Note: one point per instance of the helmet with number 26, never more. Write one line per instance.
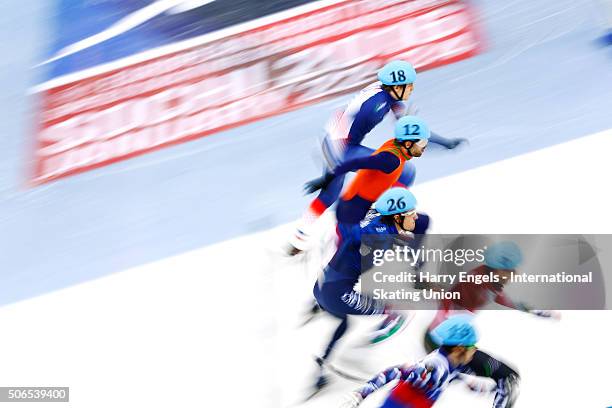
(396, 200)
(397, 73)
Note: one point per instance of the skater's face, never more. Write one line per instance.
(406, 89)
(408, 222)
(468, 354)
(415, 149)
(462, 355)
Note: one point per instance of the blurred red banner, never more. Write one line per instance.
(194, 90)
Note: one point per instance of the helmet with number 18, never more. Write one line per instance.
(397, 73)
(398, 78)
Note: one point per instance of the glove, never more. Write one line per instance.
(352, 400)
(478, 385)
(455, 142)
(550, 314)
(420, 377)
(318, 183)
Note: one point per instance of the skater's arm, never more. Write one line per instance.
(370, 114)
(475, 384)
(443, 141)
(381, 379)
(505, 300)
(383, 161)
(401, 109)
(502, 299)
(418, 375)
(422, 375)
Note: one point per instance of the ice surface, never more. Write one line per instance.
(218, 326)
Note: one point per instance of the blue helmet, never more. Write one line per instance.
(503, 255)
(396, 200)
(397, 73)
(411, 128)
(455, 331)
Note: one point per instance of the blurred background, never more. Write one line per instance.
(138, 130)
(106, 104)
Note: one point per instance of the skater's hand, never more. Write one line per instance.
(352, 400)
(549, 314)
(318, 183)
(455, 142)
(478, 385)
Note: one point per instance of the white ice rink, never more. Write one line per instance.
(216, 327)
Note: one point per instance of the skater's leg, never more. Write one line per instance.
(326, 298)
(340, 300)
(326, 197)
(329, 195)
(316, 208)
(338, 334)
